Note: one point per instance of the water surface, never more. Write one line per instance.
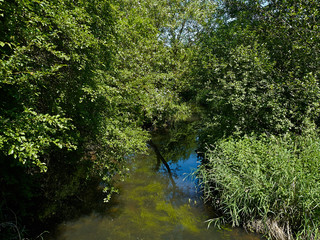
(152, 203)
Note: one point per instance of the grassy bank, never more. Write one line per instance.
(267, 184)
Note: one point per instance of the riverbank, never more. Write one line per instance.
(267, 184)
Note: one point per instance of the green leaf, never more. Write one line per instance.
(10, 152)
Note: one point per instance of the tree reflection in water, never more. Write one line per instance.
(155, 202)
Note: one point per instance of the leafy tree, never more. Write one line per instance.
(58, 94)
(257, 67)
(80, 81)
(155, 41)
(257, 70)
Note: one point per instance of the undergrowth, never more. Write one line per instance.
(268, 184)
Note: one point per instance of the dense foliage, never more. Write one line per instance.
(270, 184)
(80, 83)
(257, 71)
(258, 67)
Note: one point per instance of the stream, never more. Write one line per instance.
(153, 203)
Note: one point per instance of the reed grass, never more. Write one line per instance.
(267, 184)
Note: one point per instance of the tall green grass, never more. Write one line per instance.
(269, 183)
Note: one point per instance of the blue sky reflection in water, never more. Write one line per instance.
(151, 205)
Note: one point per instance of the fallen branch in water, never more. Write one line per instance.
(159, 156)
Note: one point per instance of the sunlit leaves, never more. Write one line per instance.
(266, 178)
(256, 70)
(27, 142)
